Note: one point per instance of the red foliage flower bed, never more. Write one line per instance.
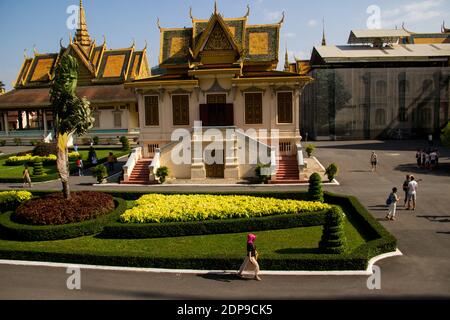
(55, 210)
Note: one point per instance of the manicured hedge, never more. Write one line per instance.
(15, 231)
(118, 230)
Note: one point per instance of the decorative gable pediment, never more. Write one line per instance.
(218, 40)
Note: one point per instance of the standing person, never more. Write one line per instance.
(433, 157)
(430, 140)
(251, 258)
(79, 164)
(424, 158)
(412, 193)
(26, 177)
(392, 202)
(93, 156)
(374, 161)
(419, 158)
(111, 161)
(405, 188)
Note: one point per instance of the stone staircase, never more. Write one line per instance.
(287, 170)
(141, 172)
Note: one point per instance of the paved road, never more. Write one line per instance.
(424, 238)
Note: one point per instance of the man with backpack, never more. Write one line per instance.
(392, 203)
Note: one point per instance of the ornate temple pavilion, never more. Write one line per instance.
(26, 111)
(222, 72)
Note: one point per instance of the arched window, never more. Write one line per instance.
(380, 117)
(381, 88)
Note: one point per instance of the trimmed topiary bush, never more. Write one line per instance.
(162, 174)
(125, 143)
(55, 210)
(38, 168)
(43, 149)
(100, 172)
(259, 172)
(333, 238)
(2, 143)
(96, 140)
(18, 141)
(315, 191)
(331, 171)
(310, 149)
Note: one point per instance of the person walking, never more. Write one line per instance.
(392, 202)
(26, 177)
(374, 161)
(412, 193)
(418, 159)
(92, 156)
(111, 161)
(405, 188)
(79, 164)
(251, 258)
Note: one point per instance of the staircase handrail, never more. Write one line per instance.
(136, 155)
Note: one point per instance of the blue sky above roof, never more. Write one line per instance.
(42, 23)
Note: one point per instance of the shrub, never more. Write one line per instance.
(53, 209)
(33, 142)
(158, 208)
(162, 174)
(310, 149)
(73, 156)
(29, 159)
(259, 172)
(96, 140)
(333, 238)
(15, 231)
(2, 143)
(18, 141)
(117, 230)
(315, 191)
(125, 143)
(100, 172)
(331, 171)
(9, 200)
(38, 168)
(43, 149)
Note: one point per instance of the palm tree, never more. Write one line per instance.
(2, 86)
(72, 115)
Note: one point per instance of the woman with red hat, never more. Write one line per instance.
(251, 258)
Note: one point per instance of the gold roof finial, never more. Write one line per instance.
(34, 49)
(133, 45)
(25, 53)
(82, 35)
(158, 24)
(60, 43)
(215, 7)
(248, 12)
(146, 45)
(286, 59)
(324, 40)
(190, 14)
(70, 38)
(282, 19)
(104, 40)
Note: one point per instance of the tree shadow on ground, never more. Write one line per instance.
(389, 145)
(297, 250)
(445, 219)
(443, 170)
(443, 232)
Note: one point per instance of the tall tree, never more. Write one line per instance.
(72, 115)
(2, 86)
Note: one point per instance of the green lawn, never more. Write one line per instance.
(9, 172)
(271, 244)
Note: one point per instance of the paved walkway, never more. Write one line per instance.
(424, 239)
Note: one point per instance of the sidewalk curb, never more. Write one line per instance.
(366, 272)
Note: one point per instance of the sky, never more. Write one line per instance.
(28, 24)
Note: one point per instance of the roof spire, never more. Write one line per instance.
(82, 36)
(215, 7)
(286, 59)
(324, 40)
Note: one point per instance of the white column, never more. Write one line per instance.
(5, 121)
(44, 119)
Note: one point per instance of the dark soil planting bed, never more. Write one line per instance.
(53, 209)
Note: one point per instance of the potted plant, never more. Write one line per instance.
(101, 173)
(162, 174)
(310, 149)
(125, 143)
(261, 172)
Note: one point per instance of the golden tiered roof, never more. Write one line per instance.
(97, 64)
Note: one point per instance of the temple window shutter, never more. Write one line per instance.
(151, 111)
(285, 107)
(180, 107)
(253, 108)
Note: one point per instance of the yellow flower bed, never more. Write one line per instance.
(14, 196)
(157, 208)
